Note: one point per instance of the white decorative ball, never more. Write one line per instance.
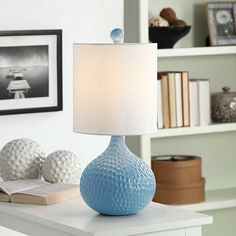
(158, 22)
(62, 167)
(21, 159)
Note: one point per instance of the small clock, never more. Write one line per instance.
(223, 17)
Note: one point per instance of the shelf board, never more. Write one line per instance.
(215, 200)
(197, 51)
(213, 128)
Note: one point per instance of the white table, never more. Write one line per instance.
(75, 218)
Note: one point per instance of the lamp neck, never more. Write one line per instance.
(116, 139)
(117, 143)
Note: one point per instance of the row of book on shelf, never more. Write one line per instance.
(181, 101)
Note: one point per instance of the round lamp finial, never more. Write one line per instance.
(117, 35)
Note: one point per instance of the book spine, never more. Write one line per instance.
(194, 102)
(165, 99)
(159, 106)
(185, 99)
(172, 100)
(204, 102)
(178, 93)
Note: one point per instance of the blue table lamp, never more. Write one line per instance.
(115, 93)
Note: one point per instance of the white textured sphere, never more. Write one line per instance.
(21, 159)
(62, 167)
(158, 22)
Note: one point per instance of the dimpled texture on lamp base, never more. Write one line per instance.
(117, 182)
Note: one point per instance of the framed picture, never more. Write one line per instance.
(221, 23)
(30, 71)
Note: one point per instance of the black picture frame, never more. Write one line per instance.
(222, 23)
(30, 68)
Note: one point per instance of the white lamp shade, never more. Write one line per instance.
(115, 88)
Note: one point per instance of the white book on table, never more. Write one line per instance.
(178, 98)
(204, 101)
(194, 102)
(159, 106)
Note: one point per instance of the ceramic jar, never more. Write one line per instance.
(223, 106)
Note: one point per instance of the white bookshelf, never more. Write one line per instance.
(215, 200)
(215, 143)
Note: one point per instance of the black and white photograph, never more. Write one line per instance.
(30, 71)
(225, 23)
(221, 22)
(24, 72)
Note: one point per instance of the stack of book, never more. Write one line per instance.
(182, 102)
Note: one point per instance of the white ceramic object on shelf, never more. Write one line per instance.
(21, 159)
(62, 167)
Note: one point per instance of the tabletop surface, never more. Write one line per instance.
(76, 218)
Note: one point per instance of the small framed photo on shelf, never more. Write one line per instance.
(221, 23)
(30, 71)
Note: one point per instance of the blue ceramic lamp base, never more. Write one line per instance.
(117, 182)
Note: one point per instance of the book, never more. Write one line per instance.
(159, 106)
(185, 99)
(172, 99)
(165, 98)
(204, 101)
(194, 102)
(37, 192)
(178, 98)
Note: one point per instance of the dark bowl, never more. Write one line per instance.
(167, 37)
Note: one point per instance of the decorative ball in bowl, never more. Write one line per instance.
(167, 37)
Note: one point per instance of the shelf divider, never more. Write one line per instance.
(197, 51)
(215, 200)
(213, 128)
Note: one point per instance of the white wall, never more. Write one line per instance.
(81, 21)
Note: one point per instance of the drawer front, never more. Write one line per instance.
(179, 232)
(8, 232)
(193, 231)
